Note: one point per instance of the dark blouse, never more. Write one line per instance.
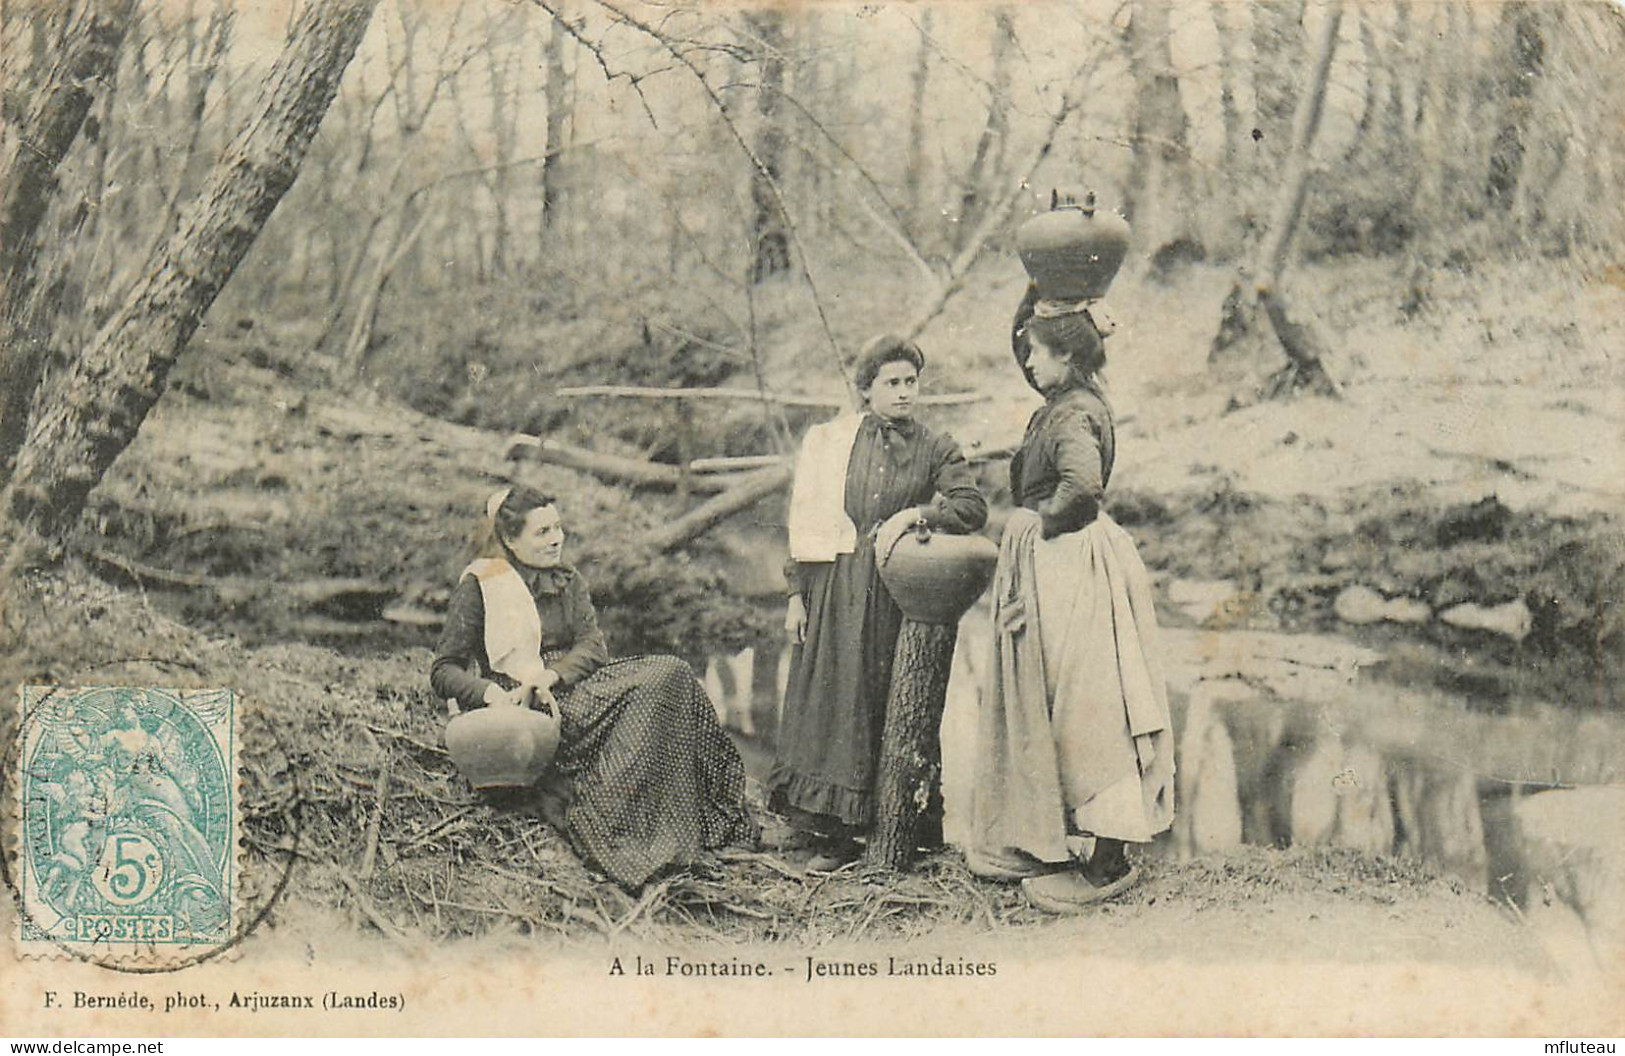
(1065, 460)
(571, 640)
(899, 464)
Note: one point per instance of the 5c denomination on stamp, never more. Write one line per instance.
(128, 822)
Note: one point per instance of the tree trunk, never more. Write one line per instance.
(408, 227)
(907, 787)
(1306, 350)
(807, 86)
(1277, 56)
(770, 237)
(1526, 51)
(634, 471)
(1225, 34)
(1162, 187)
(914, 159)
(1438, 194)
(1396, 126)
(1294, 184)
(989, 154)
(82, 422)
(41, 121)
(559, 111)
(501, 118)
(1262, 281)
(1372, 97)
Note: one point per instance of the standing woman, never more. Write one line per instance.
(852, 474)
(1075, 738)
(648, 777)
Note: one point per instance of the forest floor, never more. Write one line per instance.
(1473, 460)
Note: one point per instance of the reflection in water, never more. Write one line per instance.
(1273, 773)
(1283, 740)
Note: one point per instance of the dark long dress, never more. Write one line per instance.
(834, 704)
(649, 777)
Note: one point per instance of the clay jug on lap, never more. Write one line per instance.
(502, 746)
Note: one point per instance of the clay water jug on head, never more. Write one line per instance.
(1073, 251)
(502, 746)
(933, 576)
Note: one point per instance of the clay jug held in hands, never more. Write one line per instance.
(502, 746)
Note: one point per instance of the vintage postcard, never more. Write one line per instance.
(613, 517)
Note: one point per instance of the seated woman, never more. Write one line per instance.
(651, 778)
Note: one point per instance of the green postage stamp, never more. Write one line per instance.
(127, 822)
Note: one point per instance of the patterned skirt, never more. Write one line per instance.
(652, 778)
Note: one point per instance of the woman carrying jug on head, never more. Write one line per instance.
(854, 473)
(1074, 739)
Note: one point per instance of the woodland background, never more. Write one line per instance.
(283, 281)
(507, 196)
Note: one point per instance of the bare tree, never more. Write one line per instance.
(914, 158)
(1225, 33)
(401, 214)
(560, 111)
(1525, 51)
(1278, 53)
(82, 421)
(770, 254)
(1161, 188)
(502, 116)
(45, 108)
(1259, 285)
(988, 158)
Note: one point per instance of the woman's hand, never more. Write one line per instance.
(538, 694)
(1021, 517)
(795, 620)
(497, 697)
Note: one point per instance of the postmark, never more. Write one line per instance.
(127, 823)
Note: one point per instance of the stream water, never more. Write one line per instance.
(1290, 739)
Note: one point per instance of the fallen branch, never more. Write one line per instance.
(436, 829)
(645, 392)
(495, 911)
(352, 596)
(369, 859)
(138, 574)
(364, 903)
(735, 464)
(635, 471)
(654, 894)
(754, 488)
(737, 856)
(402, 735)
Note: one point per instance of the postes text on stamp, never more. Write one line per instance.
(128, 822)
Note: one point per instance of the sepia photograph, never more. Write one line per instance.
(812, 518)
